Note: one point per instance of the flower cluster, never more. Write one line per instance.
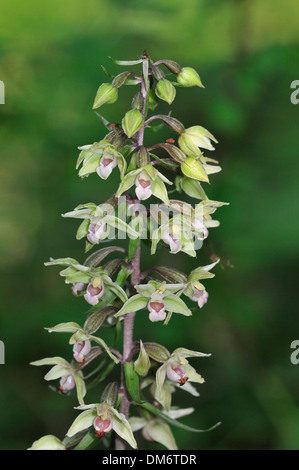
(111, 280)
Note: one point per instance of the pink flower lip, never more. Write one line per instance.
(157, 306)
(102, 426)
(80, 350)
(67, 383)
(177, 374)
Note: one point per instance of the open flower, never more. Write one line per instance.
(177, 233)
(194, 289)
(143, 186)
(94, 280)
(70, 378)
(81, 337)
(156, 430)
(147, 180)
(100, 157)
(95, 290)
(103, 417)
(158, 298)
(178, 370)
(108, 162)
(98, 221)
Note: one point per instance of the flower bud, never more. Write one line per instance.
(80, 350)
(177, 374)
(137, 101)
(157, 311)
(94, 291)
(132, 122)
(106, 94)
(193, 168)
(102, 426)
(199, 295)
(188, 77)
(194, 138)
(165, 90)
(108, 162)
(143, 186)
(67, 383)
(96, 231)
(78, 287)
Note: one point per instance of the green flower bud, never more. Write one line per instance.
(194, 169)
(106, 94)
(143, 363)
(132, 122)
(165, 90)
(137, 101)
(189, 77)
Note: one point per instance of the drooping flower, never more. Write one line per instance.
(100, 157)
(200, 296)
(104, 417)
(81, 337)
(178, 370)
(194, 289)
(99, 221)
(158, 298)
(95, 290)
(147, 180)
(70, 378)
(156, 430)
(95, 280)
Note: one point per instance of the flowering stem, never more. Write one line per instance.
(129, 318)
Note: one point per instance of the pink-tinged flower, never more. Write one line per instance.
(143, 186)
(94, 291)
(157, 311)
(172, 240)
(80, 350)
(199, 295)
(200, 229)
(102, 426)
(67, 383)
(78, 287)
(177, 374)
(107, 164)
(96, 231)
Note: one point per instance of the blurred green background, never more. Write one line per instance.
(246, 52)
